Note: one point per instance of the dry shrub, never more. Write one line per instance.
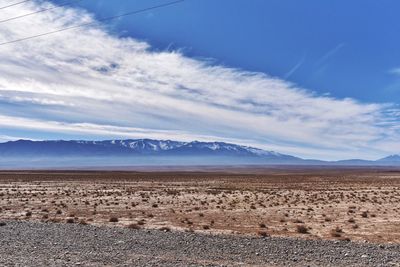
(114, 219)
(133, 226)
(262, 225)
(262, 233)
(337, 232)
(302, 229)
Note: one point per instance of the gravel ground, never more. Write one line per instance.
(45, 244)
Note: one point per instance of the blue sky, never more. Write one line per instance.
(344, 48)
(314, 79)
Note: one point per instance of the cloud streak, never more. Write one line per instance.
(294, 69)
(395, 71)
(329, 54)
(91, 82)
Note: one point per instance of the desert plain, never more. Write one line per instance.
(348, 204)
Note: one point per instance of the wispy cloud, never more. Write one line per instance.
(90, 82)
(329, 54)
(395, 71)
(294, 69)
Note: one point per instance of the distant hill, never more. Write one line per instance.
(391, 158)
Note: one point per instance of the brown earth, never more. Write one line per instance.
(319, 203)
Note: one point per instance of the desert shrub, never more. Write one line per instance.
(337, 232)
(114, 219)
(262, 233)
(133, 226)
(302, 229)
(262, 225)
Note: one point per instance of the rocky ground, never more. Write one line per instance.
(60, 244)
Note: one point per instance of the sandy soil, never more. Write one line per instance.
(351, 204)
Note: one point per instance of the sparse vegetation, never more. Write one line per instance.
(245, 204)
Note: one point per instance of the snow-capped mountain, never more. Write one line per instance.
(137, 147)
(42, 154)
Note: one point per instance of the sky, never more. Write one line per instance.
(314, 79)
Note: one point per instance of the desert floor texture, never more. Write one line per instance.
(319, 203)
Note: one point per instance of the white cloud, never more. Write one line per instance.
(89, 81)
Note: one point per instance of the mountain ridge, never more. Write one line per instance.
(152, 151)
(131, 147)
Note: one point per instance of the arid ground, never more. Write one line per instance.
(320, 203)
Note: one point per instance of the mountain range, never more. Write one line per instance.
(153, 152)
